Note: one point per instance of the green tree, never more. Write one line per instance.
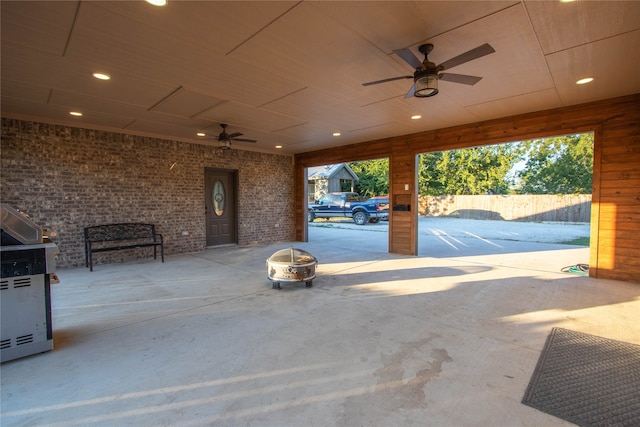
(431, 181)
(560, 165)
(373, 177)
(477, 170)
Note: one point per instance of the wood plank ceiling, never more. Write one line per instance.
(290, 73)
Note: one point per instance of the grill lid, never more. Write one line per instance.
(18, 228)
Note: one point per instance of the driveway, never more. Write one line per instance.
(456, 228)
(505, 243)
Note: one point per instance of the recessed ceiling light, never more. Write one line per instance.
(416, 117)
(75, 113)
(201, 134)
(584, 81)
(278, 146)
(336, 134)
(102, 76)
(157, 2)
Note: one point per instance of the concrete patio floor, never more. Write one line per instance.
(442, 339)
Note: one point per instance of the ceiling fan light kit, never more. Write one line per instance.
(426, 85)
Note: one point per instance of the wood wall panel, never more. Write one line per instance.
(621, 146)
(300, 197)
(617, 244)
(616, 194)
(621, 195)
(616, 175)
(613, 184)
(631, 214)
(403, 225)
(354, 152)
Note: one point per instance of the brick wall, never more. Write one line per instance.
(68, 178)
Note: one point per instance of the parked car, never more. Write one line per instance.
(348, 205)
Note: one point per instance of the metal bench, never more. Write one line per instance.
(115, 237)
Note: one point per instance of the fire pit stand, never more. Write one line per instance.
(291, 265)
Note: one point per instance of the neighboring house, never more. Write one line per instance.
(329, 179)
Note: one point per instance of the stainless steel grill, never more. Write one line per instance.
(27, 271)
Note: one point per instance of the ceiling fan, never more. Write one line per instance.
(224, 139)
(427, 74)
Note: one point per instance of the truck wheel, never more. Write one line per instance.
(311, 216)
(360, 218)
(374, 220)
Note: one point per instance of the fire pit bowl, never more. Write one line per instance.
(291, 265)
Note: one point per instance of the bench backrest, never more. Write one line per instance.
(125, 231)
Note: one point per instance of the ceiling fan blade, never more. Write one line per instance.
(411, 92)
(460, 78)
(408, 57)
(476, 53)
(233, 135)
(386, 80)
(244, 140)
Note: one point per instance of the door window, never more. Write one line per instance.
(218, 198)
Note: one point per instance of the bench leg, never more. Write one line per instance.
(88, 259)
(161, 252)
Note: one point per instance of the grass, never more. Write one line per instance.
(580, 241)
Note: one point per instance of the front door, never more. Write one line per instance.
(220, 206)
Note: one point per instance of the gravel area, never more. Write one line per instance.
(545, 232)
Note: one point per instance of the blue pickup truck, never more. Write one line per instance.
(348, 205)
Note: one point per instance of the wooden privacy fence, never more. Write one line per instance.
(566, 208)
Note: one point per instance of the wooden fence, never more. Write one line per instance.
(566, 208)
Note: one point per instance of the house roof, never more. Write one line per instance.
(329, 171)
(290, 74)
